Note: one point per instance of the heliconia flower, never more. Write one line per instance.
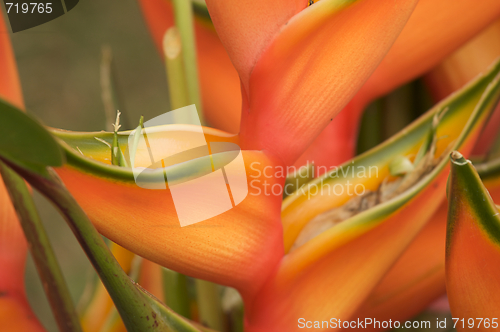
(291, 91)
(417, 279)
(472, 250)
(356, 252)
(426, 39)
(15, 312)
(278, 288)
(275, 44)
(244, 251)
(436, 35)
(314, 21)
(236, 248)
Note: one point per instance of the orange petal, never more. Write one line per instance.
(432, 33)
(333, 273)
(16, 316)
(337, 142)
(472, 249)
(418, 277)
(10, 86)
(15, 312)
(295, 91)
(219, 81)
(247, 27)
(479, 96)
(466, 63)
(237, 248)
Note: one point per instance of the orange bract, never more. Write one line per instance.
(295, 91)
(15, 312)
(472, 248)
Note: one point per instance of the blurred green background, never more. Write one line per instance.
(59, 67)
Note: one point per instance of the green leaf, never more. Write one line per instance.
(25, 142)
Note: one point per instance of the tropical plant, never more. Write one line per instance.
(322, 235)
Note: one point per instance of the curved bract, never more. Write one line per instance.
(418, 277)
(432, 33)
(466, 112)
(15, 312)
(237, 248)
(472, 249)
(426, 39)
(10, 86)
(339, 267)
(294, 91)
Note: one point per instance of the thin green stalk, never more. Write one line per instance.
(210, 305)
(117, 157)
(183, 12)
(109, 92)
(176, 74)
(45, 260)
(139, 310)
(176, 292)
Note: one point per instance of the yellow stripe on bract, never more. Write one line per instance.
(304, 205)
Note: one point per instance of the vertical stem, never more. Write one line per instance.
(176, 292)
(45, 260)
(184, 21)
(210, 305)
(176, 75)
(139, 310)
(108, 99)
(116, 281)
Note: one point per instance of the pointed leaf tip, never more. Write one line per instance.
(472, 246)
(457, 158)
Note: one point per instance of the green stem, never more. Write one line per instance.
(45, 260)
(139, 310)
(210, 305)
(176, 292)
(109, 90)
(184, 21)
(176, 75)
